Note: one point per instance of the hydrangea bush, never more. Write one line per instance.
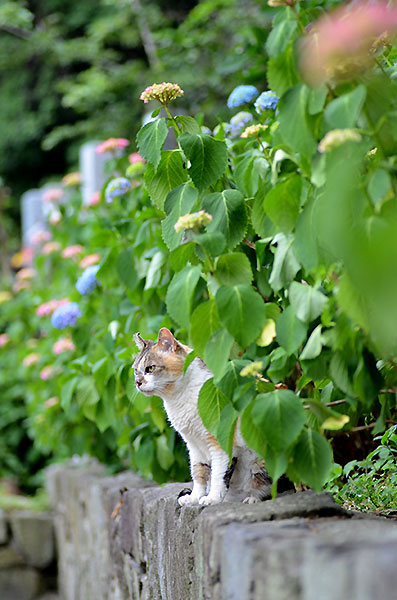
(270, 250)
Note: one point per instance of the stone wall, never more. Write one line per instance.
(27, 556)
(124, 538)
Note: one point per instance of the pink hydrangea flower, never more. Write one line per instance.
(21, 285)
(53, 401)
(4, 339)
(50, 247)
(72, 251)
(23, 257)
(135, 157)
(55, 217)
(339, 44)
(95, 199)
(47, 372)
(31, 359)
(47, 308)
(52, 195)
(89, 260)
(64, 344)
(26, 273)
(111, 145)
(40, 237)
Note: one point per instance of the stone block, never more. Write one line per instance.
(20, 584)
(33, 536)
(9, 557)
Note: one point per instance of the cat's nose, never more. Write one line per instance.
(138, 381)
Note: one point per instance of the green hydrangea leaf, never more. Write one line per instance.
(180, 294)
(229, 215)
(178, 202)
(150, 140)
(233, 269)
(241, 311)
(208, 158)
(312, 459)
(169, 175)
(291, 332)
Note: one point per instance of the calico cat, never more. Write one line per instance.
(159, 372)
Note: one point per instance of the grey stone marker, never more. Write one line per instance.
(32, 215)
(92, 169)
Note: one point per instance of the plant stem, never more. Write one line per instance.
(178, 131)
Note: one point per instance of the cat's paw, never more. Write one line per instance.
(251, 500)
(188, 500)
(211, 499)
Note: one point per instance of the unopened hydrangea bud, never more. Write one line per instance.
(242, 94)
(162, 92)
(266, 101)
(253, 130)
(117, 187)
(193, 220)
(254, 369)
(337, 137)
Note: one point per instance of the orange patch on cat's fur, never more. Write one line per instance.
(201, 472)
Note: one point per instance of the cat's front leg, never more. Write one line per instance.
(200, 474)
(219, 467)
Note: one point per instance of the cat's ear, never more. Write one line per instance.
(166, 341)
(140, 342)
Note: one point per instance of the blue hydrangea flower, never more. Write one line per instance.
(117, 187)
(65, 315)
(87, 282)
(238, 123)
(242, 94)
(266, 101)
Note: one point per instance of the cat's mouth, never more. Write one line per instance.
(143, 387)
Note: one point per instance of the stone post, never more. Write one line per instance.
(32, 215)
(92, 169)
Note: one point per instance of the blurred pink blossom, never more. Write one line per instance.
(4, 339)
(338, 45)
(26, 273)
(47, 308)
(89, 260)
(111, 145)
(95, 199)
(23, 257)
(21, 285)
(53, 401)
(135, 157)
(47, 372)
(55, 217)
(31, 359)
(50, 247)
(52, 195)
(40, 237)
(63, 345)
(72, 251)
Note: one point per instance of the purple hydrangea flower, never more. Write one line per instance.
(87, 282)
(238, 123)
(267, 100)
(242, 94)
(65, 315)
(117, 187)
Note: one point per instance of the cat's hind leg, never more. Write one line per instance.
(219, 468)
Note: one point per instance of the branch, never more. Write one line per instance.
(146, 35)
(17, 31)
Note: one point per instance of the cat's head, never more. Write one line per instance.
(159, 364)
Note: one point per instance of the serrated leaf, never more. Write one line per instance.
(295, 123)
(217, 351)
(285, 264)
(180, 294)
(188, 124)
(150, 140)
(86, 392)
(226, 428)
(232, 379)
(203, 323)
(282, 203)
(170, 173)
(178, 202)
(125, 267)
(241, 311)
(252, 434)
(281, 417)
(312, 459)
(214, 243)
(344, 111)
(153, 274)
(229, 215)
(340, 375)
(291, 332)
(67, 393)
(305, 243)
(280, 37)
(183, 254)
(210, 404)
(282, 73)
(313, 345)
(307, 302)
(208, 158)
(233, 269)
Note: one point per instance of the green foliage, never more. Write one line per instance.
(281, 276)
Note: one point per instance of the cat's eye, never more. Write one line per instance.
(150, 369)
